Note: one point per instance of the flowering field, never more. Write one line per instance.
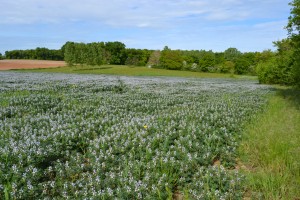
(108, 137)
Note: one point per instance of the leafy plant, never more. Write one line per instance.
(104, 137)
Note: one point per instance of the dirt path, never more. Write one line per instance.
(29, 64)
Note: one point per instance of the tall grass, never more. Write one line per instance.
(271, 149)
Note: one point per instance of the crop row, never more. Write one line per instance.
(93, 137)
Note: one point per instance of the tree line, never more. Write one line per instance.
(35, 54)
(229, 61)
(98, 53)
(284, 66)
(116, 53)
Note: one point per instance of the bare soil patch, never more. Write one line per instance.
(29, 64)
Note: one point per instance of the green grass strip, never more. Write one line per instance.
(125, 70)
(271, 150)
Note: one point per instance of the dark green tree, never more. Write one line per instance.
(285, 61)
(279, 69)
(38, 53)
(264, 56)
(95, 53)
(250, 57)
(207, 61)
(219, 58)
(241, 66)
(69, 53)
(116, 51)
(293, 28)
(137, 57)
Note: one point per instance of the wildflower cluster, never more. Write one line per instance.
(87, 136)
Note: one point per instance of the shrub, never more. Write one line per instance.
(241, 66)
(227, 67)
(279, 70)
(207, 62)
(267, 72)
(171, 59)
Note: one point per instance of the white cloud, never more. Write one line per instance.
(135, 13)
(185, 24)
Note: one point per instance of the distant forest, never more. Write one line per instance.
(99, 53)
(35, 54)
(230, 61)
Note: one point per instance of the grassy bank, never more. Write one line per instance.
(133, 71)
(271, 149)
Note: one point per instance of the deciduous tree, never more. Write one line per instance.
(293, 29)
(171, 59)
(207, 61)
(231, 54)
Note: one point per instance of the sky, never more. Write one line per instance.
(248, 25)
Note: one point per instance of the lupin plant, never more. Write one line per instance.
(107, 137)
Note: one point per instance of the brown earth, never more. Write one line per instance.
(29, 64)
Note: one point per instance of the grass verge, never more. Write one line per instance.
(133, 71)
(271, 149)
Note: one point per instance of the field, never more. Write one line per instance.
(91, 136)
(29, 64)
(125, 70)
(122, 70)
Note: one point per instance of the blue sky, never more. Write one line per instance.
(249, 25)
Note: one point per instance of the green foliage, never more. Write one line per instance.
(241, 66)
(285, 67)
(35, 54)
(293, 25)
(69, 53)
(271, 148)
(279, 69)
(264, 56)
(80, 53)
(293, 28)
(285, 61)
(105, 137)
(117, 52)
(171, 59)
(207, 61)
(124, 70)
(154, 58)
(266, 72)
(296, 68)
(1, 57)
(219, 58)
(95, 53)
(231, 54)
(137, 57)
(250, 57)
(227, 67)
